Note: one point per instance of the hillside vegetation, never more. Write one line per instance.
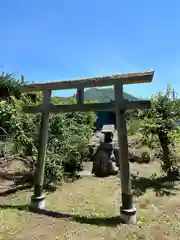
(99, 95)
(69, 133)
(104, 95)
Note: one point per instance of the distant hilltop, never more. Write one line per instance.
(104, 95)
(100, 95)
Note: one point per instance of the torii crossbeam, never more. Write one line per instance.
(127, 210)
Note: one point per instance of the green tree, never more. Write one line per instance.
(160, 120)
(9, 86)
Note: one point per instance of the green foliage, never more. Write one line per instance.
(104, 95)
(175, 134)
(69, 136)
(9, 86)
(54, 171)
(133, 126)
(159, 120)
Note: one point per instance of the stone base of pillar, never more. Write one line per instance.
(37, 203)
(128, 216)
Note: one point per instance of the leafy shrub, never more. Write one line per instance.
(174, 135)
(67, 145)
(148, 139)
(133, 126)
(159, 120)
(69, 136)
(53, 174)
(170, 167)
(9, 86)
(69, 133)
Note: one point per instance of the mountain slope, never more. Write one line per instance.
(104, 95)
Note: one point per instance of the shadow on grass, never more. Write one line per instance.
(99, 221)
(14, 190)
(23, 180)
(162, 186)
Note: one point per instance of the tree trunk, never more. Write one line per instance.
(163, 138)
(164, 141)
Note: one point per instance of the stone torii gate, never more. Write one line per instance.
(127, 210)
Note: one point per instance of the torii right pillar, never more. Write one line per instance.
(127, 210)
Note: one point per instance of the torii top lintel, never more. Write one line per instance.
(128, 78)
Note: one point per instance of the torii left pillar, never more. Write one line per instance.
(38, 199)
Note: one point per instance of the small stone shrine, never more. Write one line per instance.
(104, 160)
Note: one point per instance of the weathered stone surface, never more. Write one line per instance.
(103, 164)
(142, 155)
(105, 156)
(113, 169)
(106, 146)
(108, 128)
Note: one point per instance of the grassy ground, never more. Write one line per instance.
(89, 209)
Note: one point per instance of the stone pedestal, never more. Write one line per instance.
(128, 216)
(37, 203)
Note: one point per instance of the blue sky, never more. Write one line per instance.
(67, 39)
